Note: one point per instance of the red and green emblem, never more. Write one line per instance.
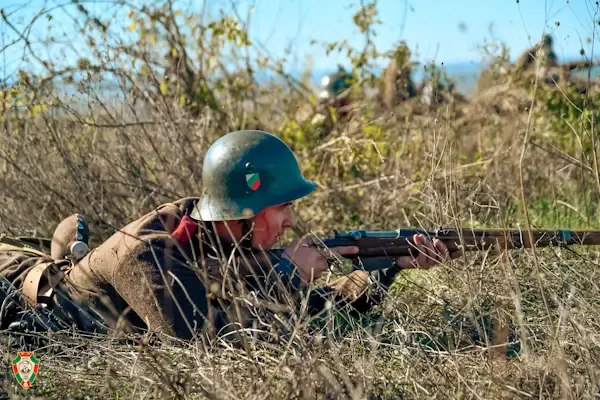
(25, 368)
(253, 180)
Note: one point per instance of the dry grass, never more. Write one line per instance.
(521, 324)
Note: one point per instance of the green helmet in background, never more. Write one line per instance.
(245, 172)
(334, 84)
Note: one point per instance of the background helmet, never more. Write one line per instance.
(245, 172)
(334, 84)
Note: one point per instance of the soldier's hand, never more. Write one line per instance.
(430, 253)
(310, 261)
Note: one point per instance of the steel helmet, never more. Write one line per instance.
(245, 172)
(334, 84)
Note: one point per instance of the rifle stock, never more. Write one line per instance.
(379, 249)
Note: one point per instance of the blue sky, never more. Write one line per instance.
(432, 28)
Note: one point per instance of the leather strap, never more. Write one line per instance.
(41, 281)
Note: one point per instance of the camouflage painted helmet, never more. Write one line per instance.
(245, 172)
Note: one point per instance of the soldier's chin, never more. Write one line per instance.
(273, 242)
(264, 244)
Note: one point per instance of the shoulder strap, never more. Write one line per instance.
(41, 281)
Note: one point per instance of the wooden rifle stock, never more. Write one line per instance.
(379, 249)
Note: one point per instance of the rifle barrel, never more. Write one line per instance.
(400, 242)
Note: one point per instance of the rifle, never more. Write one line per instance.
(379, 249)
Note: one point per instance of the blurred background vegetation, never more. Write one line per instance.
(117, 121)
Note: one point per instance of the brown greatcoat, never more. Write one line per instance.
(146, 278)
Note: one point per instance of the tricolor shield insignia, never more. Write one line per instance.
(25, 368)
(253, 180)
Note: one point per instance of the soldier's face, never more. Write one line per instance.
(271, 223)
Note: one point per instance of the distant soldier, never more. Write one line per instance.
(201, 264)
(335, 86)
(542, 54)
(436, 86)
(396, 82)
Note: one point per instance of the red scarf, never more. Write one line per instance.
(186, 230)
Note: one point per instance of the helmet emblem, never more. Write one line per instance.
(253, 180)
